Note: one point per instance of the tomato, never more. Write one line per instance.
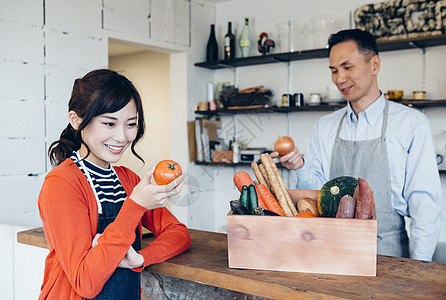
(284, 145)
(166, 171)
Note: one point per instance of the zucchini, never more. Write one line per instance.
(253, 201)
(244, 196)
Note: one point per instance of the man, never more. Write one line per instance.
(387, 144)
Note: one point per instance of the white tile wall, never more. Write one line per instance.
(21, 80)
(74, 51)
(22, 12)
(130, 24)
(56, 119)
(24, 42)
(30, 152)
(20, 199)
(17, 117)
(59, 82)
(134, 7)
(63, 15)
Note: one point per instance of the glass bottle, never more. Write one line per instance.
(229, 43)
(245, 40)
(212, 46)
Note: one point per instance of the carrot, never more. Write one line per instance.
(269, 200)
(259, 198)
(241, 178)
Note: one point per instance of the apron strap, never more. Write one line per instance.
(340, 125)
(384, 125)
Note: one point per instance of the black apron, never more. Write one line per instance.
(368, 159)
(123, 284)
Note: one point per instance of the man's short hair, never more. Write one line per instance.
(366, 41)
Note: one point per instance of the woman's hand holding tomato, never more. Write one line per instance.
(166, 171)
(153, 196)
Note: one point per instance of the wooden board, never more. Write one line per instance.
(313, 245)
(206, 262)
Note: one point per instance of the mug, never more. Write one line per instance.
(314, 99)
(298, 99)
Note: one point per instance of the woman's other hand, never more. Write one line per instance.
(132, 259)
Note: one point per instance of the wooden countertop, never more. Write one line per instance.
(207, 262)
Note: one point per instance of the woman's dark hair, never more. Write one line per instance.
(98, 92)
(366, 41)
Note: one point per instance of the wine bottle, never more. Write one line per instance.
(229, 43)
(212, 46)
(245, 40)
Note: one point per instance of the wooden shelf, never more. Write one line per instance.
(320, 53)
(322, 107)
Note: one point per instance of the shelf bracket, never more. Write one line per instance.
(416, 45)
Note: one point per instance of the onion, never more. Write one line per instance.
(284, 145)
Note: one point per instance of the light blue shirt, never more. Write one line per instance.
(414, 177)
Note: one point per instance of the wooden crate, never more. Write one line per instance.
(296, 244)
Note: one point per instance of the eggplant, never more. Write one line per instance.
(264, 212)
(238, 208)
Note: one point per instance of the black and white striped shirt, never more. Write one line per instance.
(105, 181)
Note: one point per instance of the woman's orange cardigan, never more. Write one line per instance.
(69, 212)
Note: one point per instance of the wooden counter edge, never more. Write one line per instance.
(33, 237)
(235, 283)
(36, 237)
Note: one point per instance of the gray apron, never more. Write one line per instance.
(368, 159)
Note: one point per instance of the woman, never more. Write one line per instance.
(92, 213)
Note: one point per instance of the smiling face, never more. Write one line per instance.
(355, 74)
(109, 134)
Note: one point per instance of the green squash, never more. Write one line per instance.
(331, 193)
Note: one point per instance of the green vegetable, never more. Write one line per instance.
(331, 193)
(253, 201)
(244, 196)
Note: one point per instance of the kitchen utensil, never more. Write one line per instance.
(298, 99)
(286, 100)
(395, 94)
(288, 35)
(419, 95)
(323, 26)
(314, 99)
